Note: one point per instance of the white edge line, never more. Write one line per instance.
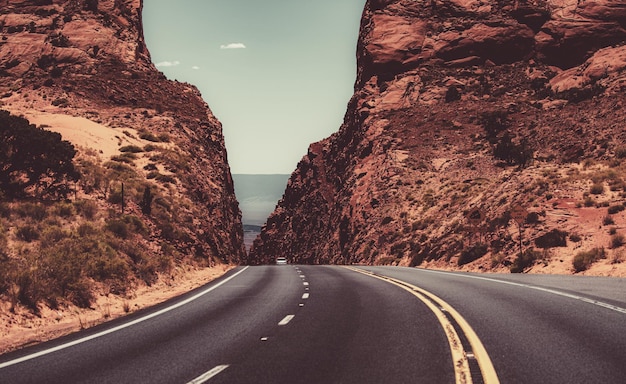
(547, 290)
(208, 375)
(121, 326)
(286, 320)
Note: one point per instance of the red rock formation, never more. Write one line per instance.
(462, 105)
(89, 59)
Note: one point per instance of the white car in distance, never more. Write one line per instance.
(281, 261)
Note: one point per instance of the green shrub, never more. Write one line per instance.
(584, 259)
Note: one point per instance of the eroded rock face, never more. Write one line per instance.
(89, 59)
(459, 105)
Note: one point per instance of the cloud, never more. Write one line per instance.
(233, 46)
(168, 63)
(195, 67)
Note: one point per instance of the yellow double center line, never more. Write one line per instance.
(459, 355)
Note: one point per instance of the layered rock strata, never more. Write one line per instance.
(461, 108)
(88, 59)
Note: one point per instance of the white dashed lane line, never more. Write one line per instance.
(305, 295)
(208, 375)
(286, 319)
(305, 283)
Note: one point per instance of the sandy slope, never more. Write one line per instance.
(22, 328)
(86, 133)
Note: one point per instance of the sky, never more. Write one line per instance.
(278, 74)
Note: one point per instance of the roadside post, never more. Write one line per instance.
(519, 214)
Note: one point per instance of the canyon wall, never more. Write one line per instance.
(82, 68)
(464, 112)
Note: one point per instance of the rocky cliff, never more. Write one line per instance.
(465, 113)
(82, 68)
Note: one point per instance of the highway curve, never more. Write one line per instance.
(331, 324)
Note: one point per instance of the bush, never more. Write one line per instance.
(597, 189)
(575, 237)
(125, 226)
(474, 252)
(166, 179)
(36, 212)
(608, 220)
(554, 238)
(532, 218)
(118, 227)
(620, 152)
(524, 261)
(87, 208)
(86, 229)
(583, 260)
(30, 155)
(617, 240)
(494, 122)
(53, 235)
(64, 210)
(615, 209)
(149, 136)
(27, 233)
(131, 149)
(126, 157)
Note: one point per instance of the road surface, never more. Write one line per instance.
(331, 324)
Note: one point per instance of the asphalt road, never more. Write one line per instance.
(322, 324)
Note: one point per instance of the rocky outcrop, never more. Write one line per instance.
(89, 59)
(463, 110)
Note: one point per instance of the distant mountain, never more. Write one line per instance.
(258, 195)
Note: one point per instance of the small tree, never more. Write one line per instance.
(33, 157)
(146, 201)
